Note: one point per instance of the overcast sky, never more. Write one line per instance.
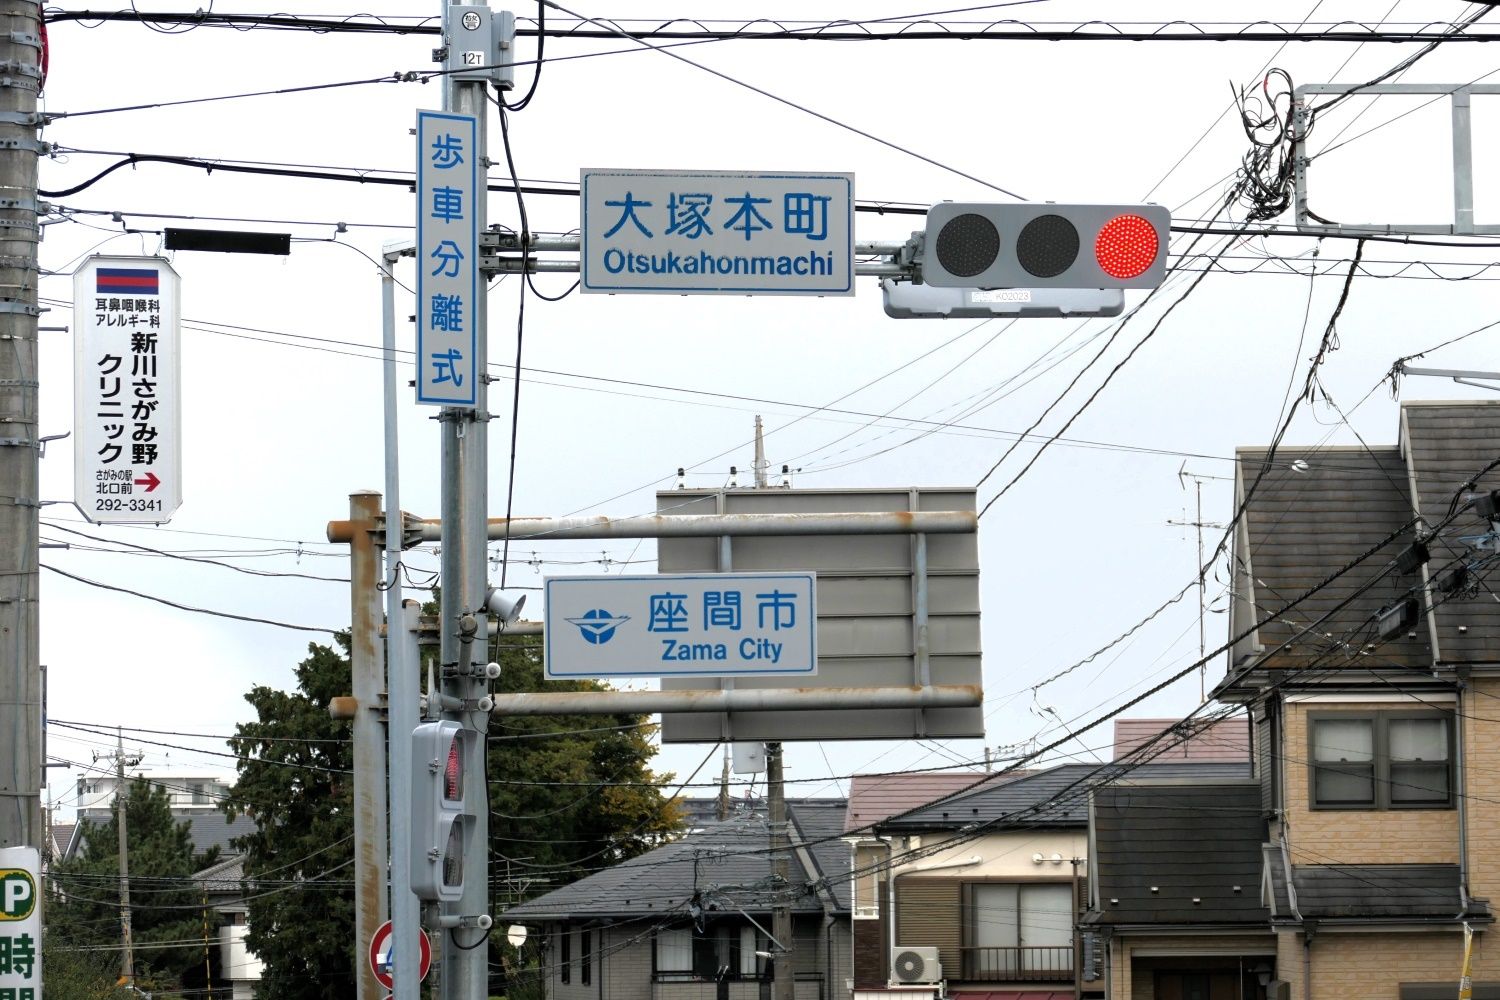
(282, 388)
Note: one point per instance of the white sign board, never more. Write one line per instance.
(897, 611)
(682, 625)
(717, 232)
(127, 390)
(448, 191)
(20, 923)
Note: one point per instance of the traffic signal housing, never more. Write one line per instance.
(1042, 245)
(442, 823)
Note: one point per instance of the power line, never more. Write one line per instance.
(186, 607)
(777, 29)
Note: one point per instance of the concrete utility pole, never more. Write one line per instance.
(464, 969)
(127, 942)
(784, 987)
(20, 442)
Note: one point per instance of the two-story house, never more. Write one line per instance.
(977, 895)
(1366, 630)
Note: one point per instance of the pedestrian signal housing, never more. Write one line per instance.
(442, 822)
(1042, 245)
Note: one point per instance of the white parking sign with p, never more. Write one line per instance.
(17, 894)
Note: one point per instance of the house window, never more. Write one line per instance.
(586, 938)
(717, 952)
(1018, 930)
(566, 965)
(1382, 760)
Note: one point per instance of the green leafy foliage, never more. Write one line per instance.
(80, 975)
(568, 795)
(294, 764)
(169, 924)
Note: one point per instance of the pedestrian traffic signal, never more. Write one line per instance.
(1042, 245)
(442, 823)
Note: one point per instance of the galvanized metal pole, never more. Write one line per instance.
(403, 687)
(465, 501)
(20, 446)
(784, 987)
(370, 851)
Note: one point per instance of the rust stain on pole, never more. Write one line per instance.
(367, 675)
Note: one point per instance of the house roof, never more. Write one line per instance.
(1178, 854)
(1219, 740)
(874, 797)
(222, 885)
(727, 865)
(1057, 796)
(206, 829)
(1316, 510)
(61, 835)
(1399, 892)
(1444, 444)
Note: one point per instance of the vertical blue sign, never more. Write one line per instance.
(448, 193)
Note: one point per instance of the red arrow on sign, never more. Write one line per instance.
(150, 482)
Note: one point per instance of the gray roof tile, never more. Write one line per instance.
(1445, 445)
(727, 863)
(874, 797)
(1057, 796)
(1399, 891)
(1178, 854)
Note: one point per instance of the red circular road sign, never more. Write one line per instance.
(380, 955)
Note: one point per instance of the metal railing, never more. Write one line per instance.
(1023, 964)
(732, 986)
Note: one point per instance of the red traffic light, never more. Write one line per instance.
(453, 773)
(1126, 246)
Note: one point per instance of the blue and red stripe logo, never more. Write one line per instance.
(128, 281)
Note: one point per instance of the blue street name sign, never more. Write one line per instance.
(680, 625)
(448, 193)
(717, 232)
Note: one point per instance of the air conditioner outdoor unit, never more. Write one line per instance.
(916, 965)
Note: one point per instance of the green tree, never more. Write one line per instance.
(167, 910)
(80, 975)
(568, 795)
(294, 782)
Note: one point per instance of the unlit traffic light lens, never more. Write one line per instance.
(1127, 246)
(1047, 246)
(967, 244)
(453, 856)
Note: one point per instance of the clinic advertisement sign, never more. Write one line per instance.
(127, 381)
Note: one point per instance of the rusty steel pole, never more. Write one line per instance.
(367, 667)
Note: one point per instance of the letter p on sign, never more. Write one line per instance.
(17, 894)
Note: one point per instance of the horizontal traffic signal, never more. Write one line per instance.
(1042, 245)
